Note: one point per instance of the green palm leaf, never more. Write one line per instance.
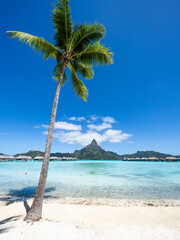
(37, 43)
(78, 86)
(84, 69)
(86, 34)
(57, 72)
(95, 53)
(63, 24)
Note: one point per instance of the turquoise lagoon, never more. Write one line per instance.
(93, 179)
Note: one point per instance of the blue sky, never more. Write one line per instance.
(140, 92)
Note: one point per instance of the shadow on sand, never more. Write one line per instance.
(18, 195)
(4, 229)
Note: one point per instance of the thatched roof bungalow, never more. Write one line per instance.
(153, 159)
(171, 159)
(39, 158)
(23, 158)
(7, 158)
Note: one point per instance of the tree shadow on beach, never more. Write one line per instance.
(3, 228)
(18, 195)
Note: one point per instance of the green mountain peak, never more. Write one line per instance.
(93, 144)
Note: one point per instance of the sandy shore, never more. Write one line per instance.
(71, 222)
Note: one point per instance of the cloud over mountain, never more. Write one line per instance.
(84, 138)
(101, 129)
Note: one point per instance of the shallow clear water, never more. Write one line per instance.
(96, 179)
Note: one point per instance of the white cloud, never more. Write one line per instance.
(72, 118)
(63, 126)
(94, 117)
(81, 118)
(77, 118)
(130, 142)
(77, 137)
(67, 126)
(116, 136)
(41, 126)
(73, 137)
(44, 126)
(108, 119)
(99, 127)
(45, 132)
(73, 134)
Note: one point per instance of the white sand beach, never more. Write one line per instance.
(71, 222)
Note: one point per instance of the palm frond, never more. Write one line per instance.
(95, 54)
(78, 86)
(76, 27)
(86, 34)
(57, 71)
(84, 69)
(63, 24)
(37, 43)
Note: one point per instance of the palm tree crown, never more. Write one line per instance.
(79, 45)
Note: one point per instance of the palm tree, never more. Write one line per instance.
(77, 47)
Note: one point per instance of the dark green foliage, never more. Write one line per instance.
(95, 152)
(146, 154)
(58, 154)
(84, 69)
(63, 24)
(95, 53)
(56, 72)
(85, 35)
(78, 86)
(31, 153)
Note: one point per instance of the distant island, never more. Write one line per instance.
(92, 152)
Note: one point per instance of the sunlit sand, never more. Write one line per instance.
(70, 221)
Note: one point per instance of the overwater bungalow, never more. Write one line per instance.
(23, 158)
(54, 158)
(171, 159)
(62, 159)
(153, 159)
(7, 158)
(38, 158)
(69, 159)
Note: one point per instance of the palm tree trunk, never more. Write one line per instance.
(35, 213)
